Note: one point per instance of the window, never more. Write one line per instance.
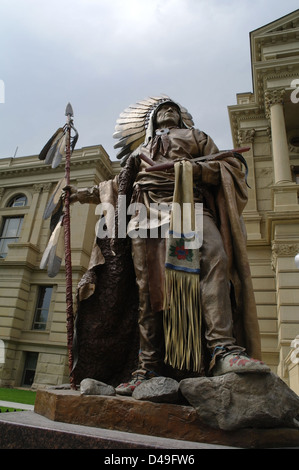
(295, 173)
(42, 308)
(18, 201)
(10, 233)
(294, 141)
(29, 368)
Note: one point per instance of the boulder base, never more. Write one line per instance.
(233, 401)
(158, 389)
(95, 387)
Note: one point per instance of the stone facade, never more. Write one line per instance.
(267, 121)
(29, 347)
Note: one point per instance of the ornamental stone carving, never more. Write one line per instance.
(246, 135)
(273, 97)
(37, 188)
(283, 250)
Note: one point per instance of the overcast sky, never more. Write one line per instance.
(103, 55)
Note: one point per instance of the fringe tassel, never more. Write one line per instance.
(182, 320)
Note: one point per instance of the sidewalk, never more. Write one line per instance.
(16, 406)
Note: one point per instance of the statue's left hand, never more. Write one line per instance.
(72, 191)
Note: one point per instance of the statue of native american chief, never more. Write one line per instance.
(153, 301)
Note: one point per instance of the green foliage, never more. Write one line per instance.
(17, 396)
(4, 409)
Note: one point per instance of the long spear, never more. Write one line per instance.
(67, 246)
(61, 143)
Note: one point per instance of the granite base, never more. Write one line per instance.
(158, 420)
(29, 430)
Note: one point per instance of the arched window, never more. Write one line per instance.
(10, 228)
(18, 201)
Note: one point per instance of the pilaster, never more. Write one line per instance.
(43, 191)
(251, 216)
(287, 296)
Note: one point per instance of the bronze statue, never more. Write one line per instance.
(193, 311)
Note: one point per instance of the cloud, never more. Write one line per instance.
(103, 55)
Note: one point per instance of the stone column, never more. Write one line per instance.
(285, 190)
(274, 112)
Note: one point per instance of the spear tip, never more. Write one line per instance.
(69, 110)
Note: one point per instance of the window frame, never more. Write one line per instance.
(28, 370)
(13, 199)
(38, 309)
(14, 239)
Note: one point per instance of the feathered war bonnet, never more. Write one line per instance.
(135, 125)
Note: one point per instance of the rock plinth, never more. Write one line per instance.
(233, 401)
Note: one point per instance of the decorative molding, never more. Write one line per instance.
(37, 188)
(273, 97)
(46, 187)
(239, 116)
(246, 135)
(28, 167)
(280, 250)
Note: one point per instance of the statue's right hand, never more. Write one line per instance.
(73, 192)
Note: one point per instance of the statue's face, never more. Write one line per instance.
(167, 115)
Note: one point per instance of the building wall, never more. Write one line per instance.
(267, 122)
(20, 275)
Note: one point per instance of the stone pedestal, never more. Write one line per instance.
(28, 430)
(170, 421)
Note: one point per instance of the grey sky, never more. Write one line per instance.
(103, 55)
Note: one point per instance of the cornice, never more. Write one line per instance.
(276, 38)
(279, 31)
(34, 168)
